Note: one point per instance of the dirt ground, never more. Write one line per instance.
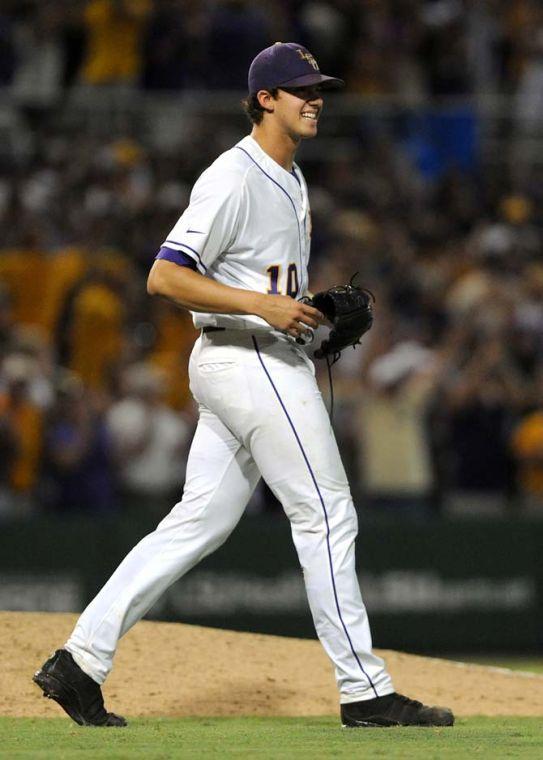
(168, 669)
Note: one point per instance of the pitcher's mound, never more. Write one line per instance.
(168, 669)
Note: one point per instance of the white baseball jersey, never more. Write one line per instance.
(247, 226)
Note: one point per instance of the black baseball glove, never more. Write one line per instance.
(350, 310)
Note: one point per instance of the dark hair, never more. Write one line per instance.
(253, 109)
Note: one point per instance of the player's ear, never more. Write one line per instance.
(265, 99)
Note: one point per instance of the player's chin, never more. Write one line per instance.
(309, 128)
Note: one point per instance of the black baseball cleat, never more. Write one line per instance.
(393, 710)
(61, 679)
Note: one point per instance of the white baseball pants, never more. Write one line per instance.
(261, 413)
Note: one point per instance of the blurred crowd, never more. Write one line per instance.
(435, 47)
(441, 407)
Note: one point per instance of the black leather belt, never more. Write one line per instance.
(211, 328)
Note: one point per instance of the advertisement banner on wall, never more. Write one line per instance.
(444, 586)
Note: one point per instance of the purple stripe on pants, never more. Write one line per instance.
(324, 511)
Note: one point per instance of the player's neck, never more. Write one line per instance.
(277, 145)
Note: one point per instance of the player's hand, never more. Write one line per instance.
(288, 315)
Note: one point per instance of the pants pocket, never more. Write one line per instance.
(208, 368)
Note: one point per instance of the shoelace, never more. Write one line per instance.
(408, 701)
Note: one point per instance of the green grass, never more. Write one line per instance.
(269, 738)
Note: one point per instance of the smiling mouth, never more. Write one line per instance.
(311, 115)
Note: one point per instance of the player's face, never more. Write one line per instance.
(298, 110)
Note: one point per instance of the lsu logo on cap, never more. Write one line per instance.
(309, 58)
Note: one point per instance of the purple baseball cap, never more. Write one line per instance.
(287, 64)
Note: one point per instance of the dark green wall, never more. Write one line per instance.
(428, 587)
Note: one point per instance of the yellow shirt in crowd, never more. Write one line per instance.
(114, 29)
(528, 447)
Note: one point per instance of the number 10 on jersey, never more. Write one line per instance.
(274, 273)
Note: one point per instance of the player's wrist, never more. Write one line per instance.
(257, 304)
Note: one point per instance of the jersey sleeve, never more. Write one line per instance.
(207, 227)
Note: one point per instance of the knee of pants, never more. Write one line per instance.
(198, 527)
(343, 524)
(323, 512)
(214, 541)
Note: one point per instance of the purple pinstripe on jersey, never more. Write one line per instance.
(323, 509)
(290, 199)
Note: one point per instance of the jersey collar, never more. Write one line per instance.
(272, 167)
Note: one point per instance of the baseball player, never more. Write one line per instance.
(237, 258)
